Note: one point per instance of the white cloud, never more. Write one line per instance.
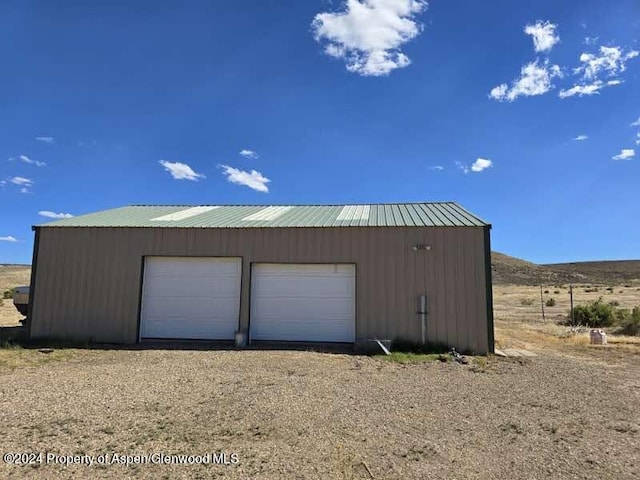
(587, 89)
(45, 139)
(625, 154)
(25, 159)
(25, 190)
(249, 154)
(368, 34)
(535, 79)
(591, 40)
(636, 123)
(638, 138)
(26, 182)
(252, 179)
(8, 239)
(481, 164)
(610, 61)
(580, 138)
(180, 171)
(544, 35)
(49, 214)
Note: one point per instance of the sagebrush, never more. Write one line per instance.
(600, 314)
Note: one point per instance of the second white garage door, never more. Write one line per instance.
(190, 298)
(303, 303)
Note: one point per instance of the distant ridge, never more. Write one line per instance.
(512, 270)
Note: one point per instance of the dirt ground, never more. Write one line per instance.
(289, 414)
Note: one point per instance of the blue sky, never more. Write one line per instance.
(105, 104)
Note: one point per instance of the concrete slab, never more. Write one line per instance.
(517, 352)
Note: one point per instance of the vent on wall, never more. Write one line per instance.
(354, 212)
(182, 214)
(269, 213)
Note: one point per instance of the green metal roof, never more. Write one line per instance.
(433, 214)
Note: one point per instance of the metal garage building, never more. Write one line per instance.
(333, 273)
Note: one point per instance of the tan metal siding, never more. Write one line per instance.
(88, 279)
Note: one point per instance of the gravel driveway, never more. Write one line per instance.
(288, 414)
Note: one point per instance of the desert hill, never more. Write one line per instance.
(511, 270)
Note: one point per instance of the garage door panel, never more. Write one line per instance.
(191, 297)
(190, 307)
(339, 308)
(191, 267)
(311, 288)
(177, 287)
(187, 328)
(310, 269)
(297, 302)
(300, 332)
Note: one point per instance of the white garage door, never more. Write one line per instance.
(190, 298)
(303, 303)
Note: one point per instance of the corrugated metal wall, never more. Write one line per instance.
(88, 280)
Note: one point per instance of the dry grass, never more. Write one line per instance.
(13, 276)
(508, 305)
(14, 356)
(522, 326)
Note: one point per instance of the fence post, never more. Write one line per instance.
(542, 304)
(573, 320)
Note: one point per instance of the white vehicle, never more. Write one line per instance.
(21, 299)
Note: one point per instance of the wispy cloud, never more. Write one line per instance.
(8, 238)
(249, 154)
(23, 181)
(481, 164)
(436, 167)
(535, 79)
(180, 171)
(625, 154)
(599, 70)
(253, 179)
(587, 89)
(544, 35)
(610, 61)
(50, 214)
(45, 139)
(580, 138)
(25, 159)
(636, 123)
(368, 34)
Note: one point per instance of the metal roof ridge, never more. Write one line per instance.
(284, 204)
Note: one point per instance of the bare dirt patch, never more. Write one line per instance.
(12, 276)
(313, 415)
